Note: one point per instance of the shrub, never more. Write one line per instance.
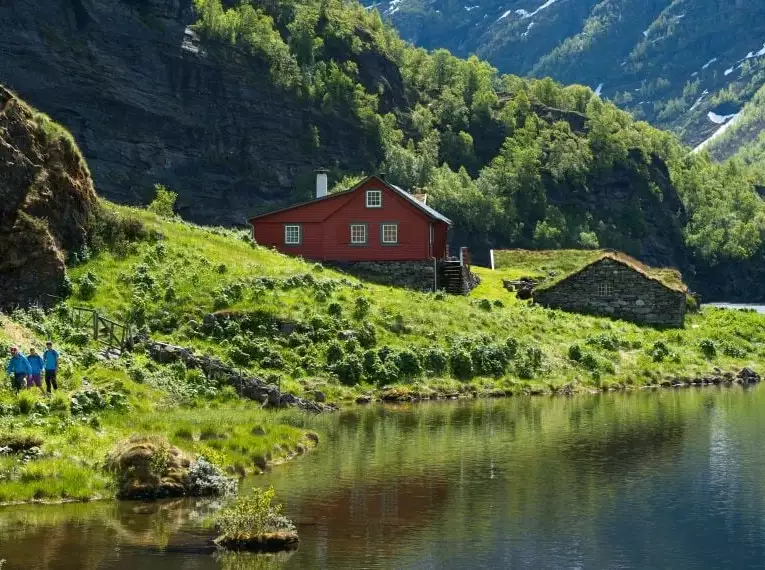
(462, 365)
(87, 286)
(729, 349)
(408, 363)
(605, 341)
(334, 352)
(79, 338)
(708, 348)
(163, 202)
(659, 351)
(436, 361)
(511, 347)
(335, 310)
(484, 304)
(590, 362)
(238, 356)
(499, 304)
(367, 336)
(489, 360)
(349, 370)
(575, 353)
(207, 480)
(253, 515)
(362, 306)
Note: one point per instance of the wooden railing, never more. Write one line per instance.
(102, 329)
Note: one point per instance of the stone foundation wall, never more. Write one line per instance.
(417, 275)
(632, 296)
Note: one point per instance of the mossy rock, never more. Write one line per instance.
(149, 468)
(266, 542)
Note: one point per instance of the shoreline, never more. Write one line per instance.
(401, 394)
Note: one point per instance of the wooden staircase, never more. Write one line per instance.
(453, 278)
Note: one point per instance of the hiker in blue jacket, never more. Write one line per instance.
(36, 365)
(50, 356)
(18, 366)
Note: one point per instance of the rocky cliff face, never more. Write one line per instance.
(147, 104)
(46, 201)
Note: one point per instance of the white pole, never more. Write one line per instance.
(491, 255)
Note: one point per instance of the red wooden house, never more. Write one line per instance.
(373, 221)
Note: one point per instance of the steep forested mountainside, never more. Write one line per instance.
(148, 105)
(234, 104)
(686, 65)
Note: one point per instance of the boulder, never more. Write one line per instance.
(148, 468)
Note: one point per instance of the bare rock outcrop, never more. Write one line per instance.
(46, 201)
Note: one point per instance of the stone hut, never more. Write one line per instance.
(615, 285)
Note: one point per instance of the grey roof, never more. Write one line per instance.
(424, 207)
(400, 191)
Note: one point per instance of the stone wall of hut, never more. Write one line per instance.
(613, 289)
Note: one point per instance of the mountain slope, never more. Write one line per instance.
(671, 62)
(233, 105)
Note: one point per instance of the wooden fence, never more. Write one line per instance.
(103, 329)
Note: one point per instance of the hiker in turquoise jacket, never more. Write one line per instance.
(18, 367)
(50, 356)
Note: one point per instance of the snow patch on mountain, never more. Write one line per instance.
(699, 100)
(537, 11)
(720, 119)
(710, 62)
(599, 90)
(528, 29)
(719, 131)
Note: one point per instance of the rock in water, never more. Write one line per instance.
(149, 468)
(46, 201)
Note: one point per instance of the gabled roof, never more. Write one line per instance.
(427, 210)
(421, 205)
(669, 278)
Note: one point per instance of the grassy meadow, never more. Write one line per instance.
(310, 329)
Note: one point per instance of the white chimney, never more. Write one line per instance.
(321, 182)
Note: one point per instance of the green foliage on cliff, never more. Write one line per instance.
(513, 162)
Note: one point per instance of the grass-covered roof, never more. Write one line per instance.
(554, 266)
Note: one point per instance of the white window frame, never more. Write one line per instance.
(605, 289)
(388, 226)
(355, 237)
(377, 202)
(290, 236)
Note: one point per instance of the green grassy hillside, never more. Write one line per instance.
(313, 328)
(309, 329)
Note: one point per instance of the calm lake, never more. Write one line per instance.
(670, 479)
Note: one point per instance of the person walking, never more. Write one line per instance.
(50, 356)
(36, 365)
(18, 366)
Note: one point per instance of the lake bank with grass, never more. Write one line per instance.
(481, 482)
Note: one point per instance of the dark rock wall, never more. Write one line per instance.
(633, 297)
(147, 104)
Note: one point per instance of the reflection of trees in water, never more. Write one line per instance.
(247, 561)
(86, 536)
(523, 464)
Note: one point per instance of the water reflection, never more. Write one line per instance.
(667, 479)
